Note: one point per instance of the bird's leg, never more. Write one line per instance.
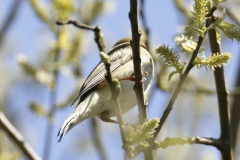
(106, 118)
(132, 76)
(144, 73)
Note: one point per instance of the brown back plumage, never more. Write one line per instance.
(127, 40)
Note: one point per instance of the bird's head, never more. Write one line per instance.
(127, 41)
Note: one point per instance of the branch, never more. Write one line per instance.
(226, 148)
(136, 33)
(235, 111)
(106, 61)
(115, 90)
(179, 87)
(15, 136)
(183, 77)
(138, 87)
(96, 30)
(99, 42)
(179, 141)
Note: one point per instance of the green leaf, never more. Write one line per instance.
(195, 29)
(232, 31)
(218, 34)
(143, 132)
(226, 25)
(217, 2)
(188, 47)
(219, 20)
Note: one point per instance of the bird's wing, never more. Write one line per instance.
(119, 56)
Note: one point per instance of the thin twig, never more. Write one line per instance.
(206, 91)
(99, 41)
(182, 78)
(138, 87)
(17, 138)
(96, 30)
(179, 87)
(115, 92)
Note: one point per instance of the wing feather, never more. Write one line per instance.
(119, 56)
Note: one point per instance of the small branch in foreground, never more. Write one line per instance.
(138, 87)
(115, 90)
(136, 33)
(106, 61)
(99, 41)
(15, 136)
(179, 141)
(224, 109)
(179, 87)
(183, 77)
(96, 30)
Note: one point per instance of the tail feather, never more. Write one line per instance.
(68, 124)
(88, 108)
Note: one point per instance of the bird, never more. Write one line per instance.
(93, 98)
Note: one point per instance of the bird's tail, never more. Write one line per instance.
(87, 108)
(68, 124)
